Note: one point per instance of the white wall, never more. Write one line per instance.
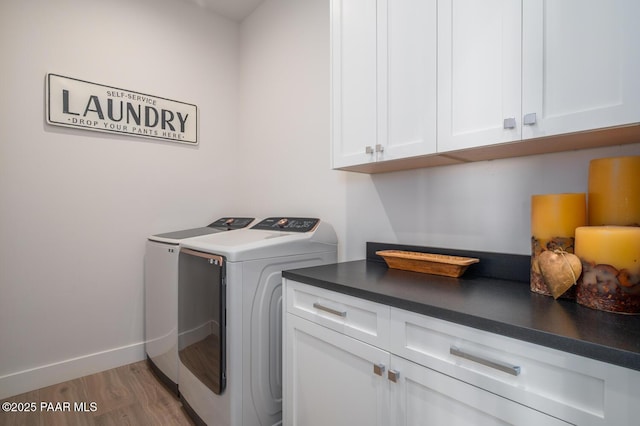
(284, 113)
(76, 206)
(285, 140)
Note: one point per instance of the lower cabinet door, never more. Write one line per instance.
(332, 379)
(421, 396)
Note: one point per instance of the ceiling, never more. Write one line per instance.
(232, 9)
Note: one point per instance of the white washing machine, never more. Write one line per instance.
(230, 317)
(161, 295)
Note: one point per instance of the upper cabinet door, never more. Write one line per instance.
(407, 77)
(479, 73)
(353, 81)
(581, 65)
(383, 80)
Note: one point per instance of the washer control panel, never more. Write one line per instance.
(288, 224)
(232, 222)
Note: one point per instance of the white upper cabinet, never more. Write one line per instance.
(479, 73)
(419, 83)
(407, 74)
(383, 80)
(353, 81)
(581, 65)
(510, 70)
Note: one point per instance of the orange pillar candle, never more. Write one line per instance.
(610, 258)
(554, 218)
(614, 191)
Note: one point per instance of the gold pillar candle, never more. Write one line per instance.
(610, 257)
(554, 218)
(614, 191)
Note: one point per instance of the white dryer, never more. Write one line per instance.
(161, 295)
(230, 317)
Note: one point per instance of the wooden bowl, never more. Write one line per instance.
(428, 263)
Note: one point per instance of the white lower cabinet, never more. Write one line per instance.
(349, 361)
(330, 378)
(576, 389)
(333, 379)
(422, 396)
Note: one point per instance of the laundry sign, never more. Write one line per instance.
(81, 104)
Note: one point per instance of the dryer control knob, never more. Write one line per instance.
(282, 222)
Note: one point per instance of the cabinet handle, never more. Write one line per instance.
(514, 370)
(378, 369)
(529, 119)
(510, 123)
(393, 375)
(368, 150)
(379, 148)
(330, 310)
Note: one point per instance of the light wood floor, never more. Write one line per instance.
(203, 359)
(127, 395)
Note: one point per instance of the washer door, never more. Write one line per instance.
(201, 311)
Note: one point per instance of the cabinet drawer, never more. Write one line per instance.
(361, 319)
(563, 385)
(422, 396)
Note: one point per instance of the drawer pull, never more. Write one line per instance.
(378, 369)
(330, 310)
(514, 370)
(509, 123)
(529, 119)
(393, 375)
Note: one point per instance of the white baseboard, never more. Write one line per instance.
(50, 374)
(197, 333)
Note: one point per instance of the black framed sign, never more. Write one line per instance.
(80, 104)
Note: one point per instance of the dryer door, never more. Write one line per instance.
(201, 317)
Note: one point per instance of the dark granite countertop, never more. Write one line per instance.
(502, 306)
